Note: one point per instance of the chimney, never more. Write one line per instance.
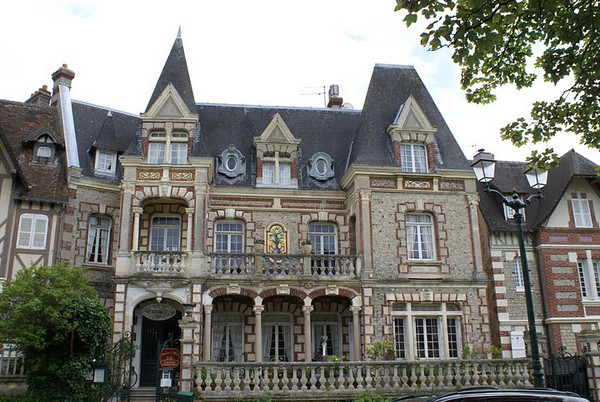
(62, 76)
(40, 97)
(335, 100)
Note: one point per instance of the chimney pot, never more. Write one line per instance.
(335, 100)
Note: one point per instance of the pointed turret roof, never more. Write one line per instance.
(175, 72)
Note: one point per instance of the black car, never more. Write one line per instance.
(498, 395)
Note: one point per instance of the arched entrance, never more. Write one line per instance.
(159, 326)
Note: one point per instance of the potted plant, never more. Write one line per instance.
(306, 246)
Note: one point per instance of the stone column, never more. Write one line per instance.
(356, 331)
(365, 230)
(258, 310)
(207, 342)
(187, 347)
(126, 207)
(307, 333)
(137, 211)
(201, 193)
(190, 228)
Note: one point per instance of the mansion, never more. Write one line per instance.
(264, 234)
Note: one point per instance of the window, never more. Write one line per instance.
(518, 272)
(326, 335)
(276, 169)
(164, 235)
(229, 237)
(227, 337)
(105, 162)
(277, 338)
(32, 231)
(98, 240)
(581, 213)
(419, 237)
(414, 158)
(509, 213)
(44, 152)
(589, 279)
(427, 331)
(323, 237)
(162, 145)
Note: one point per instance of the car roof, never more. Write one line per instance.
(498, 395)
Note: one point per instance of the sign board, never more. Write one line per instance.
(158, 311)
(169, 358)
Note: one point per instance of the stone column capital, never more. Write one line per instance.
(307, 310)
(258, 310)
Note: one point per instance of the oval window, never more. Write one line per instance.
(321, 167)
(231, 163)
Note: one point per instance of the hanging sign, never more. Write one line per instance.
(169, 358)
(158, 312)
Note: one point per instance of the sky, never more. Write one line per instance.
(261, 52)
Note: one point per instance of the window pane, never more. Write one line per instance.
(165, 233)
(285, 173)
(323, 237)
(518, 272)
(413, 158)
(32, 231)
(582, 280)
(581, 213)
(178, 153)
(399, 344)
(419, 237)
(98, 240)
(156, 152)
(229, 237)
(452, 337)
(268, 173)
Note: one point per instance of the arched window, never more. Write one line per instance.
(98, 239)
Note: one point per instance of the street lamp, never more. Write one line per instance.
(484, 167)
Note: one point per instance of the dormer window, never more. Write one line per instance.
(44, 152)
(413, 158)
(163, 148)
(105, 163)
(276, 169)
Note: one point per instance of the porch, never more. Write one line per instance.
(326, 380)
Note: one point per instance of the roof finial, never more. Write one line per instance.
(179, 33)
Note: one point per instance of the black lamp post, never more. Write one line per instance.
(484, 167)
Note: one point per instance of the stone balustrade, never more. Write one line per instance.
(167, 262)
(319, 380)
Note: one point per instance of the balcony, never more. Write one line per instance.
(160, 262)
(286, 265)
(320, 380)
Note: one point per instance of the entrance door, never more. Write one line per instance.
(154, 334)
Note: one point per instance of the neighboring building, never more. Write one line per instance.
(563, 248)
(33, 191)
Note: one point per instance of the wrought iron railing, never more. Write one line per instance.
(346, 379)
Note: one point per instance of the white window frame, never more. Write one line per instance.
(277, 171)
(420, 236)
(33, 231)
(581, 212)
(326, 324)
(156, 152)
(323, 237)
(227, 337)
(413, 158)
(278, 326)
(105, 162)
(165, 228)
(589, 279)
(45, 150)
(98, 245)
(229, 234)
(167, 148)
(518, 273)
(408, 318)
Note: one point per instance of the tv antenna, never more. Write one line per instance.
(322, 92)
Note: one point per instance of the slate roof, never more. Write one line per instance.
(176, 72)
(389, 89)
(511, 175)
(99, 127)
(36, 181)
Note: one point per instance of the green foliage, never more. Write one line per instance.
(59, 324)
(496, 352)
(500, 42)
(368, 397)
(382, 349)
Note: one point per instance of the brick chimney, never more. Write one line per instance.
(62, 76)
(335, 100)
(40, 97)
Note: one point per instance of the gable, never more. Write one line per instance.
(578, 188)
(169, 105)
(277, 132)
(411, 124)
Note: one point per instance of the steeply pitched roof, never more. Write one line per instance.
(511, 175)
(176, 72)
(96, 129)
(389, 89)
(38, 181)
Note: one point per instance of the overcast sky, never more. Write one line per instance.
(261, 52)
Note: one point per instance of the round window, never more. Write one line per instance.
(321, 166)
(231, 163)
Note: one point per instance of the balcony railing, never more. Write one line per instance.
(168, 262)
(346, 379)
(283, 264)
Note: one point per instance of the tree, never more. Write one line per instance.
(60, 326)
(499, 42)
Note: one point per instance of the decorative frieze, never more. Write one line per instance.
(382, 182)
(181, 175)
(149, 174)
(451, 185)
(417, 184)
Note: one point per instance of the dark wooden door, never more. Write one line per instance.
(154, 334)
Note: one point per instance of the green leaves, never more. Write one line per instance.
(494, 40)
